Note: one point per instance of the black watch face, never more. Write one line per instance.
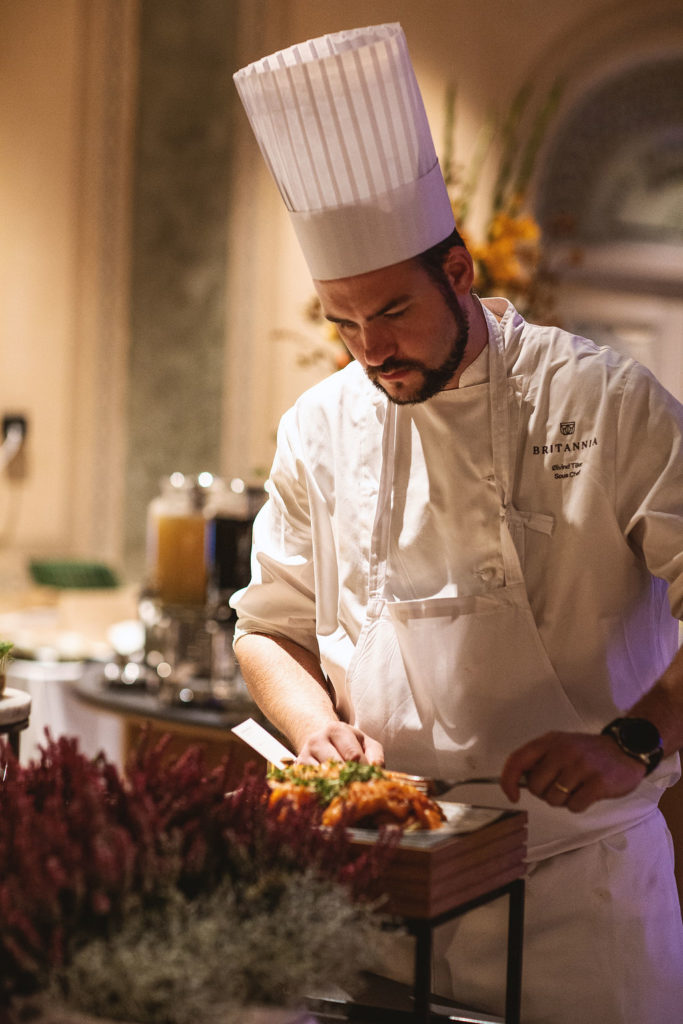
(639, 735)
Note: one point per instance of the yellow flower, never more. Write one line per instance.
(508, 257)
(521, 227)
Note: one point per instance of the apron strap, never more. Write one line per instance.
(379, 542)
(512, 521)
(500, 411)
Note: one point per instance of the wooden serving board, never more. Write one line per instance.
(428, 881)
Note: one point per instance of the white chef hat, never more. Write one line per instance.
(342, 126)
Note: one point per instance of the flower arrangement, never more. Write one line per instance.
(160, 897)
(508, 260)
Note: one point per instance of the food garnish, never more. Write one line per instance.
(364, 795)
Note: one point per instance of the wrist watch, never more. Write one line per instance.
(638, 738)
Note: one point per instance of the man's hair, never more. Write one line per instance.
(432, 260)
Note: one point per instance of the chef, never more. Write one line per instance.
(472, 548)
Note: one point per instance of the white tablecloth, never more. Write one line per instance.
(55, 706)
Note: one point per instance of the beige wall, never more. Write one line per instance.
(39, 90)
(66, 85)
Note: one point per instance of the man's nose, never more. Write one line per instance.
(378, 343)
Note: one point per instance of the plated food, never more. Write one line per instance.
(362, 795)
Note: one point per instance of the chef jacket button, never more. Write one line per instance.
(486, 574)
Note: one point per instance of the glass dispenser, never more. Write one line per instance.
(198, 552)
(176, 545)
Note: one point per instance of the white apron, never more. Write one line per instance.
(451, 685)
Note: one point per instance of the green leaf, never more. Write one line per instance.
(449, 135)
(510, 130)
(530, 152)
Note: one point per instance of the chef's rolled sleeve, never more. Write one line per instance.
(280, 599)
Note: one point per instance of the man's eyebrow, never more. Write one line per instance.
(398, 301)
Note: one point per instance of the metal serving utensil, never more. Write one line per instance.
(437, 787)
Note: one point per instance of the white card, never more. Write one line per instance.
(260, 740)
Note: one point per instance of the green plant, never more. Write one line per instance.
(205, 959)
(5, 657)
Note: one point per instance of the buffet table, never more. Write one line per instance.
(73, 699)
(49, 685)
(137, 711)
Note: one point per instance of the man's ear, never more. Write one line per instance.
(459, 269)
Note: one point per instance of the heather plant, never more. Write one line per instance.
(88, 856)
(206, 959)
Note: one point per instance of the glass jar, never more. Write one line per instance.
(176, 540)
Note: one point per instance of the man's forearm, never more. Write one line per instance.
(287, 683)
(663, 705)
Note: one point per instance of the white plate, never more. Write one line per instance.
(460, 819)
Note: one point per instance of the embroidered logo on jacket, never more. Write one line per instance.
(564, 447)
(567, 469)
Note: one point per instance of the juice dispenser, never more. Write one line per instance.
(198, 547)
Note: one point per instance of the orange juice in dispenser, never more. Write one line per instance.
(176, 541)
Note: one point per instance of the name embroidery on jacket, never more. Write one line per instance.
(567, 469)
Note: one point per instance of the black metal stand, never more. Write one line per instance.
(422, 1011)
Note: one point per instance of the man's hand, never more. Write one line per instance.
(288, 684)
(571, 769)
(340, 742)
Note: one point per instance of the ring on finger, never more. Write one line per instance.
(562, 789)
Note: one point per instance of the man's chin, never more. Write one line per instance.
(399, 391)
(403, 392)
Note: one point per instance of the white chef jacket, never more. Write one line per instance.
(598, 483)
(599, 458)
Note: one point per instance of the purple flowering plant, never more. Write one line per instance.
(82, 846)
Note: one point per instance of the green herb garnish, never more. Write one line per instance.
(327, 787)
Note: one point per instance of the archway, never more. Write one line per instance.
(609, 193)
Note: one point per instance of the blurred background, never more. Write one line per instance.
(154, 308)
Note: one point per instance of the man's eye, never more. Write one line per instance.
(394, 314)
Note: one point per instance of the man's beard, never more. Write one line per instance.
(434, 378)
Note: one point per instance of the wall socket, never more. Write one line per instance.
(15, 426)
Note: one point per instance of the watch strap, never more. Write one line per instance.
(651, 754)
